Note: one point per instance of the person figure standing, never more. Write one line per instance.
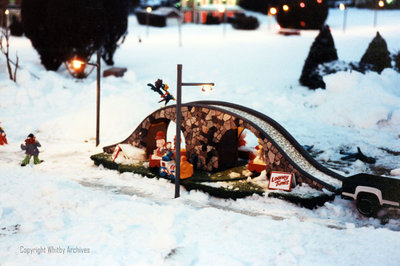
(3, 139)
(31, 149)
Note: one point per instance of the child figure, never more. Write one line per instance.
(3, 139)
(31, 149)
(169, 156)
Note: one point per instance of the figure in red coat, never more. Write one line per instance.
(3, 139)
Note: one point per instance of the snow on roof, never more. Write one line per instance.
(163, 11)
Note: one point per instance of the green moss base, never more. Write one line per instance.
(236, 185)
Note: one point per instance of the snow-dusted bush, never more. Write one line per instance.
(322, 51)
(377, 56)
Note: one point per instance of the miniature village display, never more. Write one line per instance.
(216, 159)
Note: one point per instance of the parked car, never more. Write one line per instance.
(371, 192)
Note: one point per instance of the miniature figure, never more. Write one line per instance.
(3, 139)
(169, 155)
(160, 143)
(155, 158)
(31, 149)
(159, 86)
(260, 158)
(258, 163)
(168, 166)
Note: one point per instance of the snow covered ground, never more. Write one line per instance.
(100, 217)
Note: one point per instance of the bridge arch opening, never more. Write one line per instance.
(171, 133)
(247, 145)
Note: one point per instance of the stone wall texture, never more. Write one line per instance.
(203, 129)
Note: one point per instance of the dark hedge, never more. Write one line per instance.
(62, 29)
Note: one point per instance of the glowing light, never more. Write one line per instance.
(342, 6)
(302, 5)
(77, 64)
(319, 1)
(285, 8)
(389, 1)
(149, 9)
(273, 11)
(381, 4)
(7, 12)
(221, 9)
(302, 23)
(206, 88)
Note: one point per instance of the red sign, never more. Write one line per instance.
(280, 181)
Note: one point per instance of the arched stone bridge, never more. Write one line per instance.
(210, 129)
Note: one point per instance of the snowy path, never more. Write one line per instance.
(131, 191)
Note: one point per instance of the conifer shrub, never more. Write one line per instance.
(377, 56)
(322, 51)
(396, 59)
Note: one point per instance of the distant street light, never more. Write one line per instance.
(285, 8)
(179, 86)
(380, 5)
(271, 12)
(148, 11)
(79, 66)
(222, 9)
(344, 9)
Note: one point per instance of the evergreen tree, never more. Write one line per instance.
(377, 56)
(62, 29)
(396, 59)
(322, 51)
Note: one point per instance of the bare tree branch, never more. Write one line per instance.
(5, 36)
